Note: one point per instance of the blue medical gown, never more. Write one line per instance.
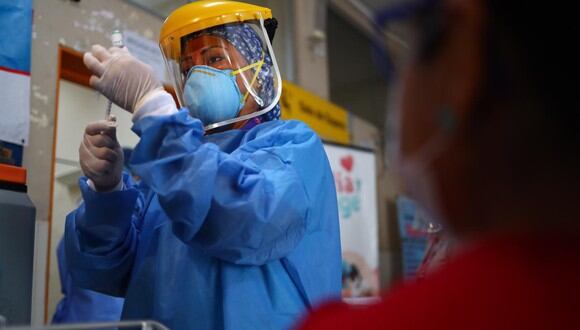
(81, 305)
(235, 230)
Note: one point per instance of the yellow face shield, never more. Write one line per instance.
(226, 36)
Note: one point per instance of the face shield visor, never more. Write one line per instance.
(399, 37)
(408, 34)
(225, 74)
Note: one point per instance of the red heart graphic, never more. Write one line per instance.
(347, 162)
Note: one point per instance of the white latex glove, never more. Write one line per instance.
(101, 156)
(119, 76)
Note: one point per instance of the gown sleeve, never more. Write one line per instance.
(247, 206)
(101, 238)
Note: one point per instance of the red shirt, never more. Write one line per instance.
(509, 282)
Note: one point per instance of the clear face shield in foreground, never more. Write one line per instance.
(397, 35)
(224, 74)
(406, 32)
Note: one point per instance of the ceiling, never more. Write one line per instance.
(163, 8)
(376, 5)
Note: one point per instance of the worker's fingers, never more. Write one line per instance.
(85, 158)
(93, 64)
(103, 127)
(105, 154)
(119, 51)
(92, 166)
(98, 169)
(100, 141)
(101, 53)
(111, 130)
(96, 83)
(97, 127)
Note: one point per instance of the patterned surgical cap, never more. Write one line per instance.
(249, 44)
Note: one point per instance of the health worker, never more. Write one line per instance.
(235, 223)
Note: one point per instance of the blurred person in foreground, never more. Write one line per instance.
(485, 137)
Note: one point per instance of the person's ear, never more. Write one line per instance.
(439, 88)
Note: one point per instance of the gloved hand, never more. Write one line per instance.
(101, 156)
(119, 76)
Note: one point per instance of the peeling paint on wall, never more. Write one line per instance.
(41, 97)
(103, 13)
(38, 95)
(39, 120)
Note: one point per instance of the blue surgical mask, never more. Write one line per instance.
(212, 95)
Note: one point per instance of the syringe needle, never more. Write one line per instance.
(117, 41)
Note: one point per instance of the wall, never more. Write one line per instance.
(365, 134)
(310, 46)
(76, 25)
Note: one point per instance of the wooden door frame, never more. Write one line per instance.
(69, 67)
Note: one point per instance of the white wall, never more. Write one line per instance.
(65, 199)
(78, 106)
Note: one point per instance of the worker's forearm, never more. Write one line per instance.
(105, 218)
(237, 210)
(101, 239)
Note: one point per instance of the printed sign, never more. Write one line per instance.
(355, 179)
(328, 120)
(15, 44)
(413, 235)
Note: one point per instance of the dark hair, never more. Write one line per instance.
(530, 58)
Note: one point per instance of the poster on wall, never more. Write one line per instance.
(425, 244)
(328, 120)
(15, 43)
(355, 180)
(414, 236)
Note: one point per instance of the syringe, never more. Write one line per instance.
(117, 41)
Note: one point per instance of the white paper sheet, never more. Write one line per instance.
(14, 107)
